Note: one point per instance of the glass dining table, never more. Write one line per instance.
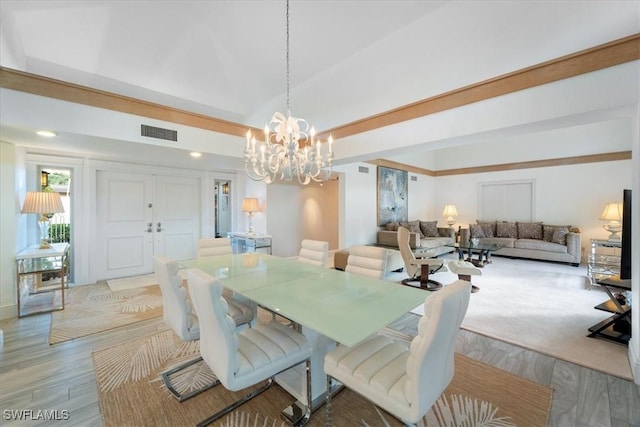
(331, 306)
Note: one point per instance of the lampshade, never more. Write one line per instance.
(450, 210)
(612, 212)
(42, 202)
(250, 204)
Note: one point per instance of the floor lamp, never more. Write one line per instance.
(45, 203)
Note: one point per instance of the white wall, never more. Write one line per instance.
(320, 212)
(284, 219)
(9, 208)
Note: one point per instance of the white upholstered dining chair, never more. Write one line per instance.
(177, 313)
(418, 269)
(214, 246)
(367, 260)
(405, 380)
(314, 252)
(243, 359)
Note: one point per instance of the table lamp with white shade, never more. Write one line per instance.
(613, 213)
(250, 205)
(451, 213)
(45, 203)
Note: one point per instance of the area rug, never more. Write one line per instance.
(544, 307)
(131, 393)
(132, 282)
(95, 308)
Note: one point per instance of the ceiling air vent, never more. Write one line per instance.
(363, 169)
(159, 133)
(414, 178)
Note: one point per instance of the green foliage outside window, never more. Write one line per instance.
(59, 233)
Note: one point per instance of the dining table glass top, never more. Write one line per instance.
(343, 306)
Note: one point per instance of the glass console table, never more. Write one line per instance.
(41, 275)
(250, 242)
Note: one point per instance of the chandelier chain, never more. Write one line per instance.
(288, 106)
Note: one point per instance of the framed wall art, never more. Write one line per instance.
(393, 205)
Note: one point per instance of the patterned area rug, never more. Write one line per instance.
(131, 393)
(132, 282)
(95, 308)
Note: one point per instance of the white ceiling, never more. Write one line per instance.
(349, 58)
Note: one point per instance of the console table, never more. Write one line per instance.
(250, 242)
(41, 278)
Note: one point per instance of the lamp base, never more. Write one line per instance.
(44, 244)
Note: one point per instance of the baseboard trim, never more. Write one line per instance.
(8, 311)
(634, 361)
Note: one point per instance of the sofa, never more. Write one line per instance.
(532, 240)
(424, 236)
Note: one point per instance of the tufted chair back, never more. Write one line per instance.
(430, 365)
(219, 341)
(367, 260)
(177, 310)
(214, 246)
(314, 252)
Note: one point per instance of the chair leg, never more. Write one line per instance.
(236, 404)
(166, 379)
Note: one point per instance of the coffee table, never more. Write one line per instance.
(483, 250)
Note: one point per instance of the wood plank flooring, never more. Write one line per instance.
(37, 376)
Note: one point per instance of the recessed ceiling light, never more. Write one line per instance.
(195, 154)
(46, 133)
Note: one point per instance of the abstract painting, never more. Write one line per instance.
(393, 203)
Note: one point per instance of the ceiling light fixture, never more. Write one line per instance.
(195, 154)
(46, 133)
(289, 148)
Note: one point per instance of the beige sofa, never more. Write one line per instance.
(533, 240)
(427, 239)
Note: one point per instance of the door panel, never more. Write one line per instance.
(124, 244)
(177, 210)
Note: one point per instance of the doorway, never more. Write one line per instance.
(222, 212)
(139, 215)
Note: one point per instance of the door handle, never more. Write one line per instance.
(149, 228)
(159, 229)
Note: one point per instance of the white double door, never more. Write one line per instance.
(141, 215)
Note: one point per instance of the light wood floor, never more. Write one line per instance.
(37, 376)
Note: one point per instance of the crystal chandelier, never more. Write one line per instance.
(289, 149)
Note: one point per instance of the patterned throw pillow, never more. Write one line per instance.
(548, 230)
(475, 230)
(488, 228)
(560, 235)
(507, 229)
(429, 228)
(529, 230)
(392, 226)
(414, 226)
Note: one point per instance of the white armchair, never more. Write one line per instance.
(214, 247)
(177, 312)
(418, 269)
(367, 260)
(314, 252)
(241, 360)
(406, 382)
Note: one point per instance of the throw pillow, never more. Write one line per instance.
(475, 230)
(560, 235)
(414, 226)
(392, 226)
(548, 230)
(429, 228)
(488, 228)
(507, 229)
(529, 230)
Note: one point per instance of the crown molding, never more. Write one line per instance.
(561, 161)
